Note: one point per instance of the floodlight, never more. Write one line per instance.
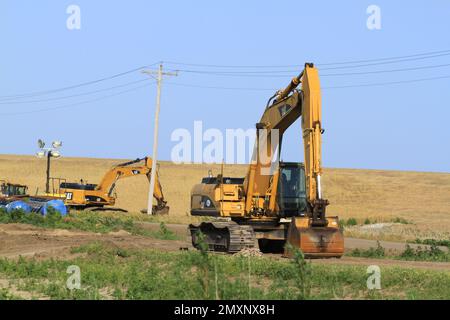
(56, 144)
(55, 154)
(40, 154)
(41, 144)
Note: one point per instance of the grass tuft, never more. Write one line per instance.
(432, 253)
(86, 221)
(378, 252)
(441, 242)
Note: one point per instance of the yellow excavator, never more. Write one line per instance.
(101, 197)
(276, 202)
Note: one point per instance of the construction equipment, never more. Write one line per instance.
(12, 190)
(101, 197)
(277, 202)
(15, 197)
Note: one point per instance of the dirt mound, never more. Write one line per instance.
(250, 252)
(26, 240)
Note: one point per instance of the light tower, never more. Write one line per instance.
(52, 152)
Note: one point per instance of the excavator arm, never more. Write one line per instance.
(279, 115)
(311, 118)
(136, 167)
(316, 235)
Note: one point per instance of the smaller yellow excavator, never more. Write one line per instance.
(101, 197)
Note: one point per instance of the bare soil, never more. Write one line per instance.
(30, 241)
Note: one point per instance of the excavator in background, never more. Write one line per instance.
(101, 197)
(276, 202)
(13, 190)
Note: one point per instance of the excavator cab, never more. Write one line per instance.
(13, 190)
(291, 195)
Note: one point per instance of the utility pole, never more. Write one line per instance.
(160, 74)
(47, 181)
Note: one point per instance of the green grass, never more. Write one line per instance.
(436, 242)
(6, 295)
(164, 233)
(350, 222)
(377, 252)
(400, 220)
(431, 253)
(359, 222)
(193, 275)
(86, 221)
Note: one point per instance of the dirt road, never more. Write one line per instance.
(30, 241)
(350, 243)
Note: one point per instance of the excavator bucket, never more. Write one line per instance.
(315, 242)
(160, 210)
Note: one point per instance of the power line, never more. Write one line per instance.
(296, 70)
(387, 83)
(217, 87)
(9, 102)
(221, 88)
(228, 66)
(431, 54)
(269, 75)
(39, 93)
(73, 104)
(402, 58)
(12, 99)
(385, 62)
(385, 71)
(325, 87)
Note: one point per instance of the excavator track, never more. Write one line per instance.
(226, 236)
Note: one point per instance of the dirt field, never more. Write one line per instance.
(29, 241)
(421, 198)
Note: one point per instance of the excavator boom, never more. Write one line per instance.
(314, 234)
(311, 118)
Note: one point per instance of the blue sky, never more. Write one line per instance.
(402, 127)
